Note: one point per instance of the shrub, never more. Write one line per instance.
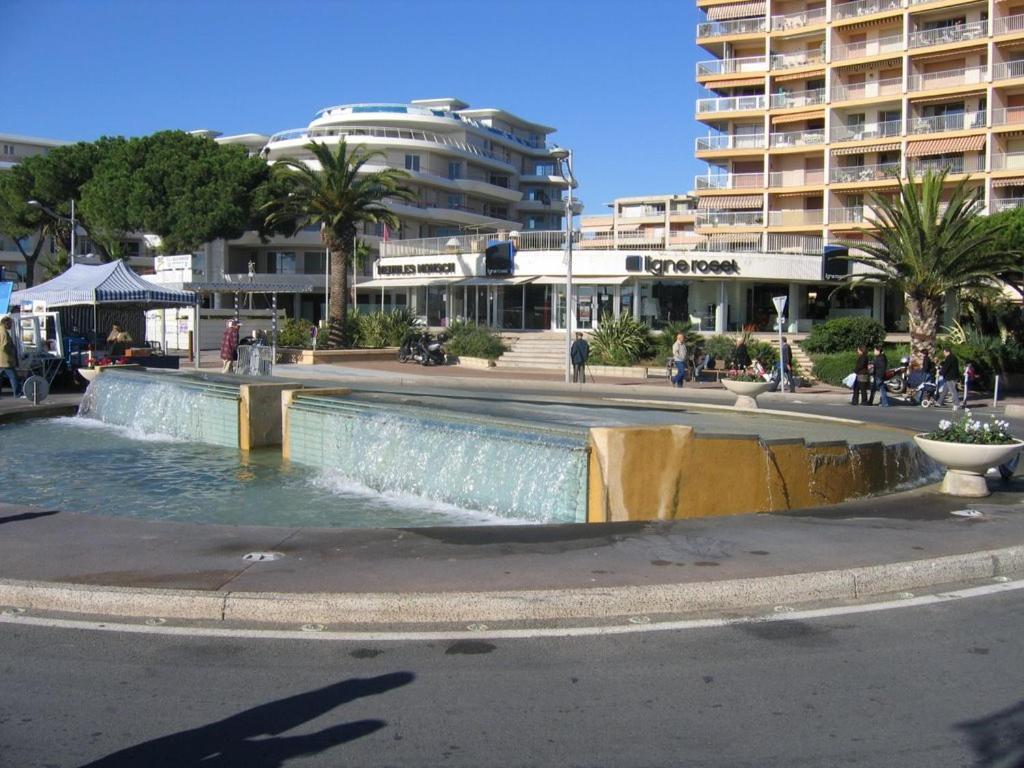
(765, 352)
(382, 329)
(722, 347)
(844, 334)
(663, 343)
(832, 369)
(294, 332)
(466, 339)
(620, 342)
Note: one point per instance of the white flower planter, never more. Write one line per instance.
(966, 463)
(746, 391)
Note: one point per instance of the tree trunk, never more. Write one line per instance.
(340, 255)
(923, 320)
(31, 259)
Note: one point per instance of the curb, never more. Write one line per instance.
(531, 605)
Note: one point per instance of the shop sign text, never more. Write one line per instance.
(682, 266)
(436, 268)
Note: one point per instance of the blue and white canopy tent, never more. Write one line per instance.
(95, 297)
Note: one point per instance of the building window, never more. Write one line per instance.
(455, 201)
(8, 149)
(455, 170)
(412, 162)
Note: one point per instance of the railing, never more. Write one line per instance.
(730, 219)
(795, 218)
(1003, 25)
(856, 173)
(797, 138)
(956, 34)
(1007, 161)
(1007, 204)
(730, 141)
(730, 181)
(786, 21)
(731, 104)
(798, 59)
(764, 243)
(842, 51)
(1008, 70)
(953, 122)
(950, 78)
(863, 8)
(796, 178)
(733, 27)
(1008, 116)
(868, 90)
(953, 165)
(866, 131)
(732, 66)
(851, 214)
(798, 99)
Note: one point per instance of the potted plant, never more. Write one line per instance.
(968, 447)
(746, 386)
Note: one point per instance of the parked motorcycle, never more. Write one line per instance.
(424, 349)
(896, 378)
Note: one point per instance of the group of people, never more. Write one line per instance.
(231, 340)
(741, 361)
(870, 376)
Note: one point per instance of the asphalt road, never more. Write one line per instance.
(941, 685)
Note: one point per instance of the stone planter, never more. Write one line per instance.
(966, 463)
(746, 391)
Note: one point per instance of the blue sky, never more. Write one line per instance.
(615, 78)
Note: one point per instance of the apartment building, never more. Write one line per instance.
(811, 104)
(652, 221)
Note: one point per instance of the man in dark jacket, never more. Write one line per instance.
(787, 367)
(862, 378)
(949, 374)
(881, 365)
(579, 353)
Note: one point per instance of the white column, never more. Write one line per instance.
(793, 307)
(878, 303)
(722, 309)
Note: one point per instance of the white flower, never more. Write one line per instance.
(945, 424)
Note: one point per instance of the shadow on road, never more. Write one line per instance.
(27, 516)
(233, 741)
(998, 739)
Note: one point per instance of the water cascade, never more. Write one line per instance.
(514, 469)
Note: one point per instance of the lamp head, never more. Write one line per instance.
(33, 204)
(558, 153)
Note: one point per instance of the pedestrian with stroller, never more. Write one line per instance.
(949, 374)
(229, 346)
(880, 365)
(861, 378)
(579, 353)
(679, 360)
(786, 357)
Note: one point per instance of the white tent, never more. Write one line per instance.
(111, 283)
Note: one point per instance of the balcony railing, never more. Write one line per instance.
(851, 214)
(732, 66)
(1004, 25)
(730, 181)
(727, 141)
(953, 165)
(1008, 116)
(797, 138)
(851, 174)
(798, 59)
(1007, 204)
(950, 78)
(732, 27)
(796, 178)
(959, 33)
(1007, 161)
(798, 20)
(1009, 70)
(941, 123)
(843, 51)
(784, 100)
(892, 86)
(730, 219)
(866, 131)
(795, 218)
(731, 104)
(863, 8)
(764, 243)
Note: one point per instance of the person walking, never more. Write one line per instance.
(679, 360)
(949, 374)
(229, 346)
(862, 377)
(579, 353)
(786, 356)
(881, 365)
(9, 356)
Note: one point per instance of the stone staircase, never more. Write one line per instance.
(540, 351)
(800, 359)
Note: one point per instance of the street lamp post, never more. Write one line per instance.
(564, 159)
(54, 215)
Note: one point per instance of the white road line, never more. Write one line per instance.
(783, 614)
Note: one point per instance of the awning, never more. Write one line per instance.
(948, 97)
(865, 150)
(887, 64)
(805, 193)
(1013, 181)
(587, 280)
(408, 282)
(741, 83)
(944, 146)
(737, 11)
(870, 22)
(953, 56)
(797, 117)
(111, 283)
(804, 75)
(496, 280)
(724, 203)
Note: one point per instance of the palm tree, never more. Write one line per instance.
(334, 192)
(925, 251)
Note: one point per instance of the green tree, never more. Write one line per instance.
(29, 227)
(335, 193)
(925, 252)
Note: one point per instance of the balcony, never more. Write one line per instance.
(797, 138)
(796, 218)
(788, 100)
(962, 121)
(727, 141)
(958, 165)
(860, 8)
(730, 219)
(1007, 161)
(797, 59)
(790, 21)
(851, 214)
(1009, 70)
(843, 51)
(855, 174)
(1008, 116)
(730, 181)
(867, 131)
(796, 178)
(732, 27)
(1007, 25)
(732, 66)
(951, 78)
(874, 89)
(1007, 204)
(975, 30)
(731, 104)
